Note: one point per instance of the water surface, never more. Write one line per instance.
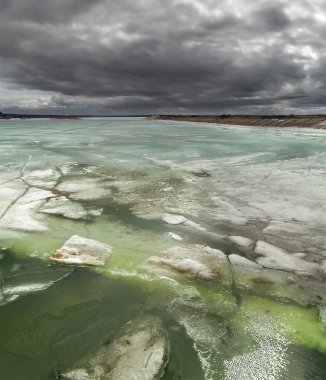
(262, 184)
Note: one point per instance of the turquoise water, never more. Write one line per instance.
(257, 183)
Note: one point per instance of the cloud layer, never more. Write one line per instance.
(150, 56)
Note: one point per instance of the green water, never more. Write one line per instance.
(224, 330)
(44, 333)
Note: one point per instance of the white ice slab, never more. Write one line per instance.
(9, 193)
(45, 178)
(175, 236)
(65, 207)
(237, 260)
(193, 261)
(241, 241)
(140, 353)
(21, 217)
(33, 194)
(81, 251)
(277, 258)
(174, 219)
(85, 188)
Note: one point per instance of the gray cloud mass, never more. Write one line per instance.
(155, 56)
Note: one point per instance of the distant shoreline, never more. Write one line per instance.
(20, 116)
(284, 121)
(8, 116)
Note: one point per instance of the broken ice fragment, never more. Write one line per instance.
(180, 219)
(20, 285)
(85, 188)
(174, 219)
(237, 260)
(34, 194)
(195, 262)
(277, 258)
(241, 241)
(20, 217)
(45, 178)
(81, 251)
(195, 225)
(140, 353)
(68, 209)
(175, 236)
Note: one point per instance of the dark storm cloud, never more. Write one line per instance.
(271, 17)
(173, 56)
(43, 11)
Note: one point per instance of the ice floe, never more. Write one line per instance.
(237, 260)
(174, 219)
(194, 261)
(175, 236)
(72, 210)
(139, 353)
(277, 258)
(21, 217)
(85, 188)
(42, 178)
(18, 212)
(194, 225)
(241, 241)
(35, 194)
(81, 251)
(20, 285)
(9, 193)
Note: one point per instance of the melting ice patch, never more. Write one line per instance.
(68, 209)
(43, 178)
(84, 188)
(140, 352)
(16, 286)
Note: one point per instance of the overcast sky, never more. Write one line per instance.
(156, 56)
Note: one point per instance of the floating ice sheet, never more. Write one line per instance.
(81, 251)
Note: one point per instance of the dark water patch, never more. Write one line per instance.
(11, 265)
(48, 331)
(183, 363)
(201, 173)
(305, 364)
(183, 359)
(123, 214)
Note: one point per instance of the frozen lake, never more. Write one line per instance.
(213, 235)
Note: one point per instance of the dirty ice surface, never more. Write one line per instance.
(168, 250)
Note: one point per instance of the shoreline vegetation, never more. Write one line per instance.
(298, 121)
